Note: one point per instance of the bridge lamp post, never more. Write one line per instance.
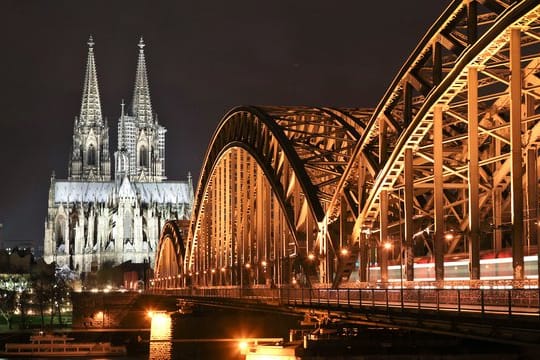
(248, 269)
(311, 259)
(212, 275)
(245, 274)
(387, 247)
(343, 253)
(264, 264)
(223, 276)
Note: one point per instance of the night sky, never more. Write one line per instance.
(203, 58)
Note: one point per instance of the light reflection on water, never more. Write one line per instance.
(160, 336)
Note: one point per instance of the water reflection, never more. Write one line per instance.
(160, 336)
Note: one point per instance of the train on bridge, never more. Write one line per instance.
(457, 269)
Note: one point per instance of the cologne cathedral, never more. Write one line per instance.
(97, 216)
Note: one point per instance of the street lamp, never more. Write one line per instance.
(101, 314)
(386, 246)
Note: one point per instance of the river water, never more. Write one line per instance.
(211, 333)
(216, 334)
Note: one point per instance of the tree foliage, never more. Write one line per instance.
(8, 304)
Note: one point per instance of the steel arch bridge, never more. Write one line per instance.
(446, 163)
(170, 254)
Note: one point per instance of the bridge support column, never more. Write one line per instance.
(383, 233)
(363, 257)
(438, 242)
(474, 171)
(409, 213)
(516, 158)
(532, 196)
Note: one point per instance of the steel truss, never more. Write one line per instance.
(300, 194)
(454, 141)
(267, 179)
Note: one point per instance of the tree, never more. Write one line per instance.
(23, 300)
(60, 290)
(43, 279)
(60, 293)
(8, 305)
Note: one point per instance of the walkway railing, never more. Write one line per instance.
(511, 302)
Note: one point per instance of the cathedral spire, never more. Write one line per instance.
(141, 107)
(121, 138)
(91, 104)
(90, 152)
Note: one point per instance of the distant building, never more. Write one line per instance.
(15, 261)
(95, 217)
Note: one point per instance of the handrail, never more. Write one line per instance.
(512, 302)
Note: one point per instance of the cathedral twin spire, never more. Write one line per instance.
(91, 104)
(141, 140)
(141, 107)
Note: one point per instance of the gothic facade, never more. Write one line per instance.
(96, 217)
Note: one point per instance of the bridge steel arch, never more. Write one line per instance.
(446, 163)
(169, 256)
(452, 148)
(267, 178)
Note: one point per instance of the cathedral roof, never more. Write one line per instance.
(103, 191)
(168, 191)
(126, 190)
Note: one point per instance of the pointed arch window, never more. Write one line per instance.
(91, 155)
(143, 156)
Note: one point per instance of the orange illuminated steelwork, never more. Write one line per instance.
(453, 144)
